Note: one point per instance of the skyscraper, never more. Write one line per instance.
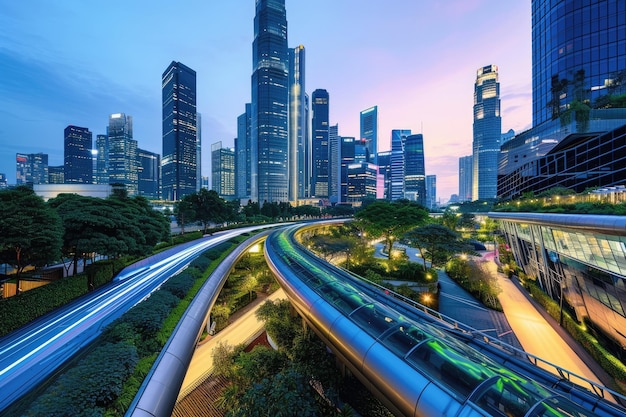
(579, 55)
(466, 170)
(101, 173)
(243, 154)
(369, 132)
(78, 161)
(334, 163)
(31, 168)
(148, 175)
(487, 133)
(270, 95)
(320, 127)
(414, 169)
(299, 144)
(180, 146)
(398, 136)
(431, 192)
(346, 151)
(198, 151)
(223, 170)
(384, 170)
(123, 164)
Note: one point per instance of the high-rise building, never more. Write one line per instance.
(364, 182)
(398, 136)
(148, 176)
(466, 171)
(487, 133)
(579, 56)
(334, 163)
(56, 174)
(320, 126)
(270, 96)
(3, 181)
(431, 192)
(101, 172)
(369, 132)
(180, 132)
(223, 170)
(123, 164)
(414, 169)
(384, 170)
(31, 168)
(299, 143)
(78, 160)
(243, 154)
(198, 151)
(346, 151)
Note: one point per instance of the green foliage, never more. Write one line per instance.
(477, 280)
(279, 322)
(436, 243)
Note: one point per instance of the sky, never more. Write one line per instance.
(75, 62)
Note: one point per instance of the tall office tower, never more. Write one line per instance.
(364, 182)
(414, 169)
(346, 151)
(299, 147)
(398, 136)
(384, 170)
(466, 170)
(101, 172)
(31, 168)
(334, 163)
(3, 181)
(270, 95)
(180, 132)
(431, 192)
(123, 165)
(78, 161)
(243, 154)
(321, 132)
(369, 132)
(148, 176)
(198, 151)
(578, 56)
(487, 133)
(223, 170)
(56, 174)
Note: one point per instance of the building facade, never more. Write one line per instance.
(270, 95)
(223, 171)
(431, 192)
(299, 143)
(578, 260)
(347, 152)
(414, 169)
(101, 170)
(77, 156)
(31, 168)
(363, 182)
(369, 132)
(487, 130)
(180, 130)
(148, 175)
(321, 131)
(384, 170)
(123, 163)
(56, 174)
(334, 163)
(243, 154)
(466, 172)
(398, 137)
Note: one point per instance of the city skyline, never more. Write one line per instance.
(416, 62)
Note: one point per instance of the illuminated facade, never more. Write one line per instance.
(466, 170)
(299, 143)
(346, 151)
(270, 102)
(31, 168)
(579, 259)
(101, 172)
(431, 192)
(321, 132)
(414, 169)
(369, 132)
(77, 157)
(334, 163)
(56, 174)
(180, 132)
(148, 175)
(487, 133)
(364, 181)
(123, 165)
(223, 170)
(243, 154)
(398, 136)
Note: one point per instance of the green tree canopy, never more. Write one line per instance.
(390, 220)
(436, 243)
(209, 208)
(30, 230)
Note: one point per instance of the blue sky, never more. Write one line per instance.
(76, 62)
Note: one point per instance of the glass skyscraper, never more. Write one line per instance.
(180, 132)
(223, 170)
(243, 154)
(270, 96)
(77, 158)
(320, 126)
(398, 136)
(414, 169)
(148, 175)
(334, 163)
(347, 151)
(369, 132)
(31, 168)
(101, 173)
(431, 192)
(466, 169)
(123, 163)
(299, 144)
(487, 133)
(579, 56)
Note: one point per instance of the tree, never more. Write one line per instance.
(436, 243)
(209, 207)
(184, 212)
(390, 220)
(30, 230)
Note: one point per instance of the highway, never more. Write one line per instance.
(29, 355)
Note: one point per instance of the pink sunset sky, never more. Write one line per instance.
(76, 62)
